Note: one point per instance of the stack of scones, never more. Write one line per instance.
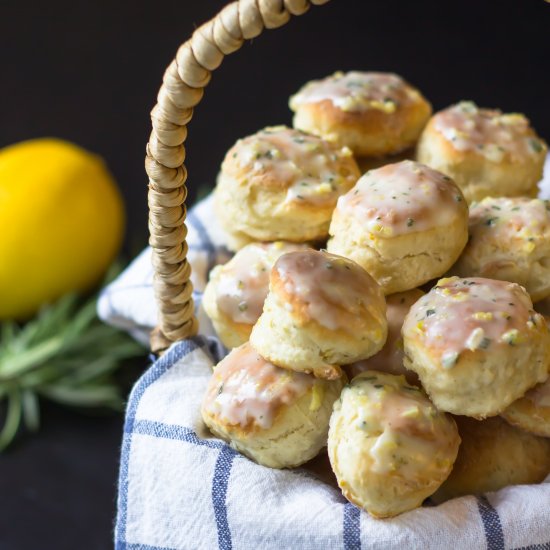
(380, 299)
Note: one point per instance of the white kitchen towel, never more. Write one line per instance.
(180, 488)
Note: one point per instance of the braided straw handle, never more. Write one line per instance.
(182, 89)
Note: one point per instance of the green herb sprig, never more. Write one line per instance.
(65, 354)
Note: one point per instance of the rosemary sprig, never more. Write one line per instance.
(64, 354)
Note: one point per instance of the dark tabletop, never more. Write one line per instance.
(89, 72)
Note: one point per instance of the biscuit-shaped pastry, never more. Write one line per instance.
(281, 184)
(371, 163)
(235, 293)
(532, 412)
(476, 344)
(404, 223)
(509, 240)
(390, 358)
(374, 114)
(277, 417)
(494, 455)
(322, 311)
(390, 448)
(486, 152)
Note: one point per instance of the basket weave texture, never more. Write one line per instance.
(182, 89)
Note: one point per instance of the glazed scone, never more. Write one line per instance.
(404, 223)
(509, 240)
(494, 455)
(322, 311)
(281, 184)
(486, 152)
(476, 344)
(277, 417)
(374, 114)
(532, 412)
(390, 448)
(235, 293)
(390, 358)
(371, 163)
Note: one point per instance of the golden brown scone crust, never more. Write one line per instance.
(374, 114)
(281, 184)
(404, 223)
(390, 358)
(476, 344)
(509, 239)
(371, 163)
(531, 412)
(492, 456)
(487, 153)
(389, 447)
(322, 311)
(234, 296)
(278, 418)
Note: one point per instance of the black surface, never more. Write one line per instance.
(89, 72)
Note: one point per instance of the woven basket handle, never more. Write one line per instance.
(182, 89)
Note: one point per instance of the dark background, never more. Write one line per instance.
(88, 71)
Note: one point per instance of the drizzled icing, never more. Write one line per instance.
(246, 389)
(488, 132)
(311, 169)
(331, 290)
(506, 219)
(474, 314)
(401, 198)
(358, 91)
(390, 357)
(243, 282)
(414, 439)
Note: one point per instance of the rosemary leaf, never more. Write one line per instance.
(64, 354)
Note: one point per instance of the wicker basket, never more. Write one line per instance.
(182, 89)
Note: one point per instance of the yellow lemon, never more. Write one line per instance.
(61, 223)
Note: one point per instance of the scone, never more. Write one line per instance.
(404, 223)
(371, 163)
(486, 152)
(277, 417)
(322, 311)
(374, 114)
(476, 344)
(281, 184)
(509, 240)
(235, 293)
(390, 448)
(390, 358)
(531, 412)
(492, 456)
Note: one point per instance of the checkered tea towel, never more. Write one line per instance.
(181, 488)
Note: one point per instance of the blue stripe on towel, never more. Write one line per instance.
(220, 482)
(168, 360)
(352, 527)
(491, 524)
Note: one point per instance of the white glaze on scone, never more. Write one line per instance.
(390, 358)
(311, 169)
(243, 283)
(509, 219)
(402, 198)
(409, 425)
(358, 91)
(471, 314)
(490, 133)
(331, 290)
(246, 389)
